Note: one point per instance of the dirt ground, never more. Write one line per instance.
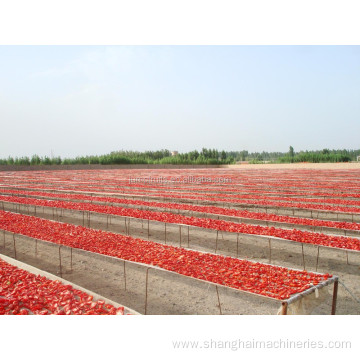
(169, 293)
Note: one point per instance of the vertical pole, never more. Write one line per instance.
(216, 243)
(333, 307)
(303, 257)
(237, 245)
(125, 274)
(188, 236)
(146, 289)
(217, 292)
(284, 307)
(269, 251)
(317, 257)
(14, 245)
(60, 267)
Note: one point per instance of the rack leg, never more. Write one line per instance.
(217, 292)
(303, 256)
(60, 267)
(125, 275)
(14, 245)
(146, 289)
(317, 257)
(237, 245)
(269, 251)
(284, 307)
(217, 237)
(333, 308)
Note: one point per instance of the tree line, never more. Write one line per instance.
(203, 157)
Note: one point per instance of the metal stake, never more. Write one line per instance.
(14, 245)
(237, 245)
(317, 257)
(303, 257)
(60, 267)
(125, 274)
(333, 307)
(217, 291)
(146, 289)
(270, 251)
(188, 236)
(216, 244)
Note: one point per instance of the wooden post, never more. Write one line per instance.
(217, 292)
(333, 307)
(284, 307)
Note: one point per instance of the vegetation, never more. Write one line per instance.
(203, 157)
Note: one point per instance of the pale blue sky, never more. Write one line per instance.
(82, 100)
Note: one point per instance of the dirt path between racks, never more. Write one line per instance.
(173, 294)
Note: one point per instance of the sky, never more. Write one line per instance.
(88, 100)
